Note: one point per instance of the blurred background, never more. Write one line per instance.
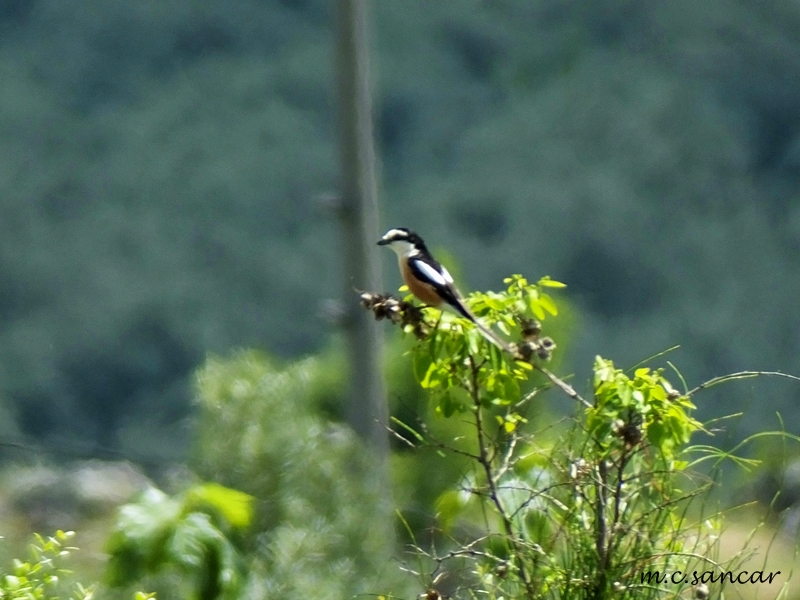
(161, 164)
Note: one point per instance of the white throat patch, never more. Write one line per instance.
(403, 248)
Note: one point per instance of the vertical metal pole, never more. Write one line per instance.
(367, 410)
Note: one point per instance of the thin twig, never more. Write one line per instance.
(602, 541)
(564, 386)
(601, 489)
(623, 461)
(506, 464)
(431, 441)
(740, 375)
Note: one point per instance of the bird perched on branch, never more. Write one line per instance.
(429, 281)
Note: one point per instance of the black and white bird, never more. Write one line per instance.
(429, 281)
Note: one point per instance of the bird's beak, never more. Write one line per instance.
(384, 242)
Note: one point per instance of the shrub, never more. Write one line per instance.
(582, 510)
(44, 576)
(321, 525)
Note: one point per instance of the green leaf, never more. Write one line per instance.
(473, 339)
(422, 362)
(431, 378)
(235, 506)
(656, 434)
(533, 303)
(547, 303)
(658, 393)
(494, 303)
(447, 406)
(204, 552)
(536, 309)
(603, 370)
(137, 542)
(551, 283)
(511, 391)
(495, 357)
(192, 539)
(433, 347)
(624, 393)
(407, 428)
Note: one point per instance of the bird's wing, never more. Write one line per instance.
(429, 271)
(446, 275)
(424, 271)
(432, 273)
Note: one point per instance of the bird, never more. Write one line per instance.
(430, 282)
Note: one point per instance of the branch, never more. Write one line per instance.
(428, 440)
(564, 386)
(483, 459)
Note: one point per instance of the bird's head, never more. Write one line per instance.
(403, 241)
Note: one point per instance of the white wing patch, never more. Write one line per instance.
(447, 277)
(436, 278)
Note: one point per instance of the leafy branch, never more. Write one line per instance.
(582, 512)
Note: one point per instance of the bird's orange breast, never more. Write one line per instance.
(424, 291)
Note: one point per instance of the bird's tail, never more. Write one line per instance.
(487, 333)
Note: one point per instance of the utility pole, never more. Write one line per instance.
(358, 211)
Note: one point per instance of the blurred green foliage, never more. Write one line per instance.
(192, 534)
(322, 516)
(44, 576)
(322, 520)
(159, 163)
